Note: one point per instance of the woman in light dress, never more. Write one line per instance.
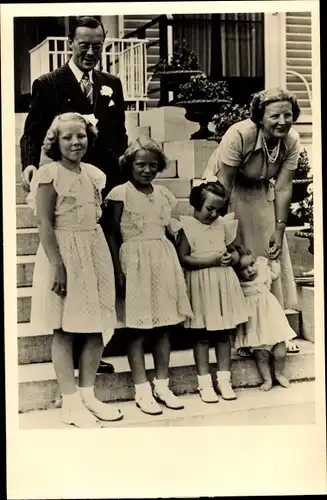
(255, 162)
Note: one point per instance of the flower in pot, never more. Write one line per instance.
(301, 178)
(229, 114)
(182, 60)
(202, 98)
(178, 69)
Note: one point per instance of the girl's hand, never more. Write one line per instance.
(226, 259)
(60, 280)
(121, 285)
(223, 259)
(275, 245)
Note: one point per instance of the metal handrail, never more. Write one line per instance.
(304, 80)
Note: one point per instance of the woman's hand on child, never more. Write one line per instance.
(60, 280)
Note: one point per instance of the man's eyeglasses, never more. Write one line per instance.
(85, 46)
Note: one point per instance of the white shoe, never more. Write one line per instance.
(103, 411)
(145, 401)
(206, 389)
(164, 395)
(225, 386)
(79, 416)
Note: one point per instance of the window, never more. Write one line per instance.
(228, 47)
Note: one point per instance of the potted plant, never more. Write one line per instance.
(301, 178)
(229, 114)
(201, 99)
(179, 68)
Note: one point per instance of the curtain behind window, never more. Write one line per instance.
(242, 45)
(226, 45)
(196, 29)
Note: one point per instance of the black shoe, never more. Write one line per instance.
(105, 367)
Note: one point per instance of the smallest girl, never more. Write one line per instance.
(207, 253)
(267, 329)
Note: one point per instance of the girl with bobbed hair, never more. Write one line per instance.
(255, 162)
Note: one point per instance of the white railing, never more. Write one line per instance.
(304, 80)
(125, 58)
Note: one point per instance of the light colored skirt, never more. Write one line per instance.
(217, 299)
(267, 325)
(89, 306)
(255, 210)
(156, 292)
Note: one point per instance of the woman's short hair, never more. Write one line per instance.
(198, 193)
(51, 143)
(83, 22)
(265, 97)
(141, 143)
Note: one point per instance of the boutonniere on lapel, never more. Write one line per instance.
(107, 91)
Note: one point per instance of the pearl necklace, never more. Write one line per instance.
(271, 157)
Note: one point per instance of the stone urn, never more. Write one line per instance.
(300, 187)
(201, 111)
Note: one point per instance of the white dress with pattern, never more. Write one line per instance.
(216, 297)
(267, 323)
(89, 306)
(156, 292)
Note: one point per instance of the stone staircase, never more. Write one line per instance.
(37, 383)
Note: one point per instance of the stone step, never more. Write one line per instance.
(25, 217)
(20, 194)
(134, 132)
(180, 188)
(27, 241)
(25, 267)
(252, 407)
(38, 388)
(36, 348)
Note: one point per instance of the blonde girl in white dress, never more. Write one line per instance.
(73, 282)
(206, 252)
(267, 329)
(149, 278)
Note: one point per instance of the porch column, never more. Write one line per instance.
(110, 24)
(275, 49)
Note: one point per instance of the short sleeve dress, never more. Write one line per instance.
(216, 297)
(267, 323)
(89, 305)
(156, 292)
(253, 195)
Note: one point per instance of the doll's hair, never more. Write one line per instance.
(198, 193)
(51, 143)
(261, 99)
(141, 144)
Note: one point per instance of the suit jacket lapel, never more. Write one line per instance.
(72, 91)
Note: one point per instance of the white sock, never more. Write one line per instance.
(204, 380)
(224, 375)
(71, 399)
(141, 389)
(87, 394)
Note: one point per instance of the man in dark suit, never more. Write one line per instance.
(77, 86)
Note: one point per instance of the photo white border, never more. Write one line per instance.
(165, 462)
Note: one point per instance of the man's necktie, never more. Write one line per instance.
(87, 88)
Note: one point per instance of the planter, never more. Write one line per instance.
(300, 187)
(171, 80)
(201, 111)
(306, 233)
